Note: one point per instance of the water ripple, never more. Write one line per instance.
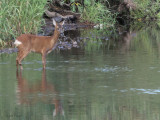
(113, 69)
(3, 63)
(139, 91)
(146, 91)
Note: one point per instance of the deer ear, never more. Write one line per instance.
(54, 22)
(62, 23)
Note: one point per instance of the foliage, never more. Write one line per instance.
(98, 14)
(2, 43)
(20, 16)
(146, 10)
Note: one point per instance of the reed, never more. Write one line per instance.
(20, 16)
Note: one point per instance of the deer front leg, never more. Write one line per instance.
(17, 63)
(44, 60)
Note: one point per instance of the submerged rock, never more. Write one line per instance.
(8, 50)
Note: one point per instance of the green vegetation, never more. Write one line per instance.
(2, 43)
(99, 14)
(93, 12)
(20, 16)
(146, 10)
(102, 11)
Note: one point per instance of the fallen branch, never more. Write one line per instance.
(66, 17)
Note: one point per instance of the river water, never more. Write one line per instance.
(104, 76)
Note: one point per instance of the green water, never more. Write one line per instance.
(114, 77)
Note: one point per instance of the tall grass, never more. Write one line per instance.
(99, 14)
(20, 16)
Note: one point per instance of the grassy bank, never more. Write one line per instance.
(20, 16)
(25, 16)
(98, 13)
(132, 10)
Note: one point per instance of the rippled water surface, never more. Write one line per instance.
(103, 77)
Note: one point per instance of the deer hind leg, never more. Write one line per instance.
(20, 57)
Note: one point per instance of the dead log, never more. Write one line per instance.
(69, 17)
(52, 14)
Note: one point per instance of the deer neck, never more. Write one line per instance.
(55, 35)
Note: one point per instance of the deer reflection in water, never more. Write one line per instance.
(42, 87)
(125, 39)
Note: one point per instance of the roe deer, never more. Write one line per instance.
(27, 43)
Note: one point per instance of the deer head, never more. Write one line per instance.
(59, 26)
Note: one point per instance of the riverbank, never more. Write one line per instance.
(76, 15)
(82, 36)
